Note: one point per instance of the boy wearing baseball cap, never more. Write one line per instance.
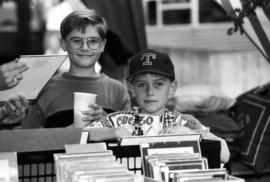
(152, 80)
(152, 83)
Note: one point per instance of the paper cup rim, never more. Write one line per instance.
(84, 93)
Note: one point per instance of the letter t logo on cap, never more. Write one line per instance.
(146, 57)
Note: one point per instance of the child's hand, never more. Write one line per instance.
(192, 122)
(95, 113)
(181, 130)
(121, 132)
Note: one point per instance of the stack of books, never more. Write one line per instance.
(162, 159)
(201, 175)
(179, 162)
(8, 167)
(97, 166)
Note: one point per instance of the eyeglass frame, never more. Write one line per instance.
(82, 40)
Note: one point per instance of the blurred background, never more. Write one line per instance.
(193, 32)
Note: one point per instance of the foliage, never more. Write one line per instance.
(249, 7)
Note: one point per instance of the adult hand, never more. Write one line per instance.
(95, 113)
(11, 74)
(14, 107)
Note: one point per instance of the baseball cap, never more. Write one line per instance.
(151, 61)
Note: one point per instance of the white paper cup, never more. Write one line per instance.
(81, 102)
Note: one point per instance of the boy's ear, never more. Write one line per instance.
(131, 90)
(173, 89)
(63, 44)
(103, 45)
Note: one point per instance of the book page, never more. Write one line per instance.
(40, 69)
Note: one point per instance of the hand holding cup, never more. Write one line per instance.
(94, 113)
(82, 103)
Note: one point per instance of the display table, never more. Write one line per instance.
(35, 149)
(28, 140)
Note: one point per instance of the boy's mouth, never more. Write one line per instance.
(150, 101)
(85, 55)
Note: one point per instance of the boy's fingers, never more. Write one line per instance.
(95, 106)
(89, 112)
(188, 117)
(91, 118)
(88, 118)
(192, 121)
(98, 112)
(93, 112)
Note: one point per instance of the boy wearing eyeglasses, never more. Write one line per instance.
(83, 37)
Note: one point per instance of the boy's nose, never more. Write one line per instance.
(84, 45)
(150, 91)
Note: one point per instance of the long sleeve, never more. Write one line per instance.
(34, 117)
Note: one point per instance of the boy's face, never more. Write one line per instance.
(84, 47)
(152, 92)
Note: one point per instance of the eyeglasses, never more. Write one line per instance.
(92, 42)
